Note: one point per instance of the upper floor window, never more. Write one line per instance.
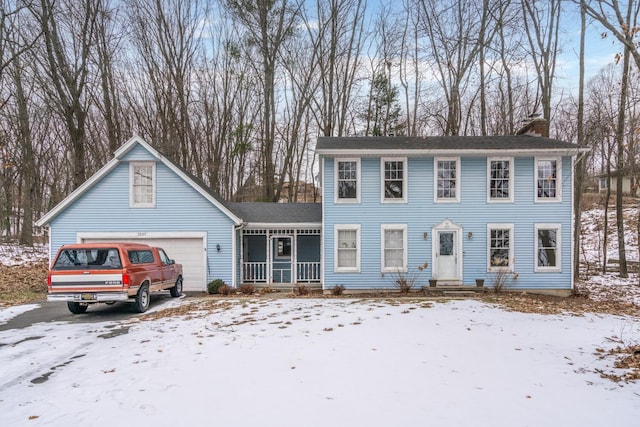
(394, 248)
(500, 247)
(394, 180)
(548, 179)
(500, 180)
(143, 184)
(347, 238)
(547, 247)
(347, 178)
(446, 180)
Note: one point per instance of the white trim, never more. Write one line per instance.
(508, 268)
(458, 187)
(234, 259)
(346, 227)
(512, 175)
(558, 197)
(405, 179)
(447, 225)
(558, 267)
(337, 160)
(282, 225)
(323, 224)
(132, 166)
(125, 235)
(388, 227)
(117, 159)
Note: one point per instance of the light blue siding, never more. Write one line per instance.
(472, 213)
(179, 208)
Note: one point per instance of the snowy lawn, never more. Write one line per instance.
(320, 362)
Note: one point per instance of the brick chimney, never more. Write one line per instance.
(536, 126)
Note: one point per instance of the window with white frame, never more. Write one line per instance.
(547, 247)
(500, 247)
(142, 184)
(447, 173)
(548, 179)
(394, 180)
(394, 247)
(500, 179)
(347, 255)
(347, 177)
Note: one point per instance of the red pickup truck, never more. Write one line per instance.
(90, 273)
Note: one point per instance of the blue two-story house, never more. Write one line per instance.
(450, 209)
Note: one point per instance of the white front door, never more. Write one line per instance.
(447, 255)
(447, 252)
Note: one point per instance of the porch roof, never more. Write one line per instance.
(278, 213)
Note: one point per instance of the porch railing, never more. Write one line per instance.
(254, 272)
(308, 272)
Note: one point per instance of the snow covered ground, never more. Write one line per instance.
(318, 362)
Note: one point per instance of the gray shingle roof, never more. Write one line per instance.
(277, 213)
(442, 143)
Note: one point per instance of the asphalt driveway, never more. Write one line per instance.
(58, 312)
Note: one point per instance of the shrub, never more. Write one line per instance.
(301, 289)
(337, 290)
(224, 290)
(247, 289)
(502, 280)
(213, 287)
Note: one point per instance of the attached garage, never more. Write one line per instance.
(186, 248)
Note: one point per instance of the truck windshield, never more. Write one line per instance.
(88, 259)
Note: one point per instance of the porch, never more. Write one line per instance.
(281, 258)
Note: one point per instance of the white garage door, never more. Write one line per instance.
(188, 251)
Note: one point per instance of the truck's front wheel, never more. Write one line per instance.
(176, 291)
(76, 307)
(142, 299)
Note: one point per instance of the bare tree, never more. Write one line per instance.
(68, 35)
(542, 23)
(269, 24)
(338, 35)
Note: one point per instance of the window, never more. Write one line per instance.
(140, 256)
(394, 182)
(142, 178)
(547, 247)
(88, 259)
(347, 177)
(347, 238)
(394, 248)
(500, 179)
(446, 180)
(548, 179)
(283, 247)
(603, 184)
(500, 247)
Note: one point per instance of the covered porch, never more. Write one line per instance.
(280, 257)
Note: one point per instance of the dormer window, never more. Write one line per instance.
(142, 184)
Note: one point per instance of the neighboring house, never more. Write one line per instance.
(605, 182)
(469, 207)
(453, 209)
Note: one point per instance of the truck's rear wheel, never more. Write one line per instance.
(142, 299)
(76, 307)
(176, 291)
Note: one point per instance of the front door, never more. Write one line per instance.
(281, 259)
(447, 253)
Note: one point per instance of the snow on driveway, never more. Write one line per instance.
(319, 362)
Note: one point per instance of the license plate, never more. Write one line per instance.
(87, 297)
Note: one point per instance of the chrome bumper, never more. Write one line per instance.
(89, 297)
